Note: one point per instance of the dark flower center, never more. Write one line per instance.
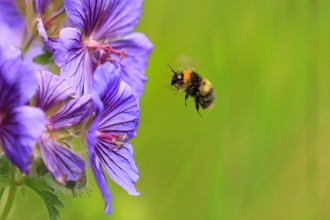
(103, 51)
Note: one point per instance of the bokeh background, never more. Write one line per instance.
(262, 152)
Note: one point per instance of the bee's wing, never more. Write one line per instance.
(184, 62)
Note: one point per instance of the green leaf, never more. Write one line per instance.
(58, 189)
(50, 199)
(44, 58)
(37, 184)
(4, 171)
(23, 191)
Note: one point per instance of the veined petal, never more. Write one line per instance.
(119, 164)
(102, 183)
(121, 110)
(105, 75)
(120, 114)
(50, 43)
(63, 164)
(51, 90)
(84, 13)
(106, 82)
(19, 130)
(138, 49)
(73, 59)
(74, 112)
(10, 14)
(114, 101)
(120, 17)
(17, 80)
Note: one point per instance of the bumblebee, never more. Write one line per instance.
(195, 86)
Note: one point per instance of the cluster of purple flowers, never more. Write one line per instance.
(94, 97)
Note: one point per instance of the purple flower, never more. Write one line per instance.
(63, 164)
(10, 14)
(11, 23)
(104, 25)
(20, 125)
(115, 123)
(49, 42)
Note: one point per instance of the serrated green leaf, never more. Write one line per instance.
(50, 199)
(44, 58)
(37, 184)
(23, 191)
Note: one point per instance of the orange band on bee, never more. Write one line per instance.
(186, 75)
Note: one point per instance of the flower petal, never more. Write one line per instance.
(50, 43)
(84, 13)
(10, 14)
(102, 183)
(138, 49)
(107, 19)
(120, 18)
(121, 114)
(19, 130)
(63, 164)
(51, 90)
(119, 164)
(74, 112)
(105, 75)
(121, 110)
(106, 81)
(74, 61)
(17, 80)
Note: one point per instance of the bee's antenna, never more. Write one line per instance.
(172, 69)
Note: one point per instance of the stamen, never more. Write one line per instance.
(117, 140)
(104, 49)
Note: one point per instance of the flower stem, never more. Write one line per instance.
(11, 194)
(9, 203)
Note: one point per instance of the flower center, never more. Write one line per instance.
(103, 51)
(117, 140)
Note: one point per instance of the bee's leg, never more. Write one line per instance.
(197, 108)
(185, 99)
(177, 89)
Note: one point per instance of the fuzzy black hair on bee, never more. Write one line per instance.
(195, 86)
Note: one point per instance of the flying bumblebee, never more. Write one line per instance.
(195, 86)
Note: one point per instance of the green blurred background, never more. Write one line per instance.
(262, 152)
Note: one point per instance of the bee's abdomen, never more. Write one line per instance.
(205, 100)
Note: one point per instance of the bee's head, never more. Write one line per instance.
(175, 76)
(175, 79)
